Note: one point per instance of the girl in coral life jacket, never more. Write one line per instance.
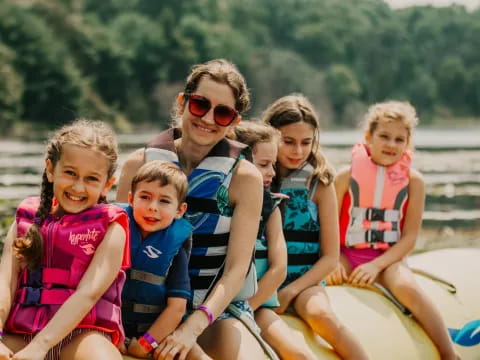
(310, 224)
(61, 271)
(381, 201)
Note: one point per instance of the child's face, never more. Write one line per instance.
(79, 178)
(264, 158)
(154, 206)
(388, 142)
(295, 144)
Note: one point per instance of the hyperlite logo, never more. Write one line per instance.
(89, 236)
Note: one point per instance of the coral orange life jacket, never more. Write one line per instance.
(373, 209)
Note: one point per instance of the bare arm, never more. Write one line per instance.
(412, 225)
(277, 261)
(246, 194)
(134, 161)
(9, 269)
(100, 274)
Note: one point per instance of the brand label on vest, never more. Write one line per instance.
(152, 252)
(84, 240)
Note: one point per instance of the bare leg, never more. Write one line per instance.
(277, 333)
(14, 342)
(90, 345)
(399, 279)
(314, 307)
(197, 353)
(229, 339)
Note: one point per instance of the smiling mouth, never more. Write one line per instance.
(204, 129)
(150, 220)
(73, 197)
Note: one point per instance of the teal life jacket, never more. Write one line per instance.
(300, 223)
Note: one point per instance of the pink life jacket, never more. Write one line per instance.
(373, 209)
(69, 246)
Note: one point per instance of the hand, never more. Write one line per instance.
(122, 348)
(364, 275)
(337, 276)
(179, 343)
(136, 350)
(285, 297)
(5, 352)
(33, 351)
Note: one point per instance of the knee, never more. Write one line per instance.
(406, 292)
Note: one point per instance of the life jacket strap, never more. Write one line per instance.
(371, 236)
(375, 214)
(39, 296)
(141, 308)
(146, 277)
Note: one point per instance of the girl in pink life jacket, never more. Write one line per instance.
(381, 201)
(310, 224)
(61, 271)
(271, 252)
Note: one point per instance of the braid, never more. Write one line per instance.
(30, 248)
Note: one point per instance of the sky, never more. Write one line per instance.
(470, 4)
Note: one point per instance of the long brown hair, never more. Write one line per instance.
(253, 132)
(295, 108)
(89, 134)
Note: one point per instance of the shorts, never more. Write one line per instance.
(54, 352)
(357, 257)
(243, 306)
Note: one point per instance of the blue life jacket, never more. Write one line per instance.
(208, 210)
(144, 292)
(300, 223)
(270, 203)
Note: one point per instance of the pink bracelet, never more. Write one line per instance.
(207, 312)
(1, 335)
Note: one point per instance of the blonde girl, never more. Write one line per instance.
(61, 271)
(271, 252)
(381, 201)
(309, 220)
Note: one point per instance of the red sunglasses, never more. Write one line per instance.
(198, 105)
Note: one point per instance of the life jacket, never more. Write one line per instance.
(144, 292)
(208, 210)
(300, 223)
(270, 203)
(373, 210)
(69, 246)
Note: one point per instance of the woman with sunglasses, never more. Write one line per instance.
(224, 205)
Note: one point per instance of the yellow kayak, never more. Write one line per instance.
(451, 277)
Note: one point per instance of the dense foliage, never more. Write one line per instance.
(123, 60)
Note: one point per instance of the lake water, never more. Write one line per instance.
(448, 159)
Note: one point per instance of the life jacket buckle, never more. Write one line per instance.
(31, 296)
(375, 214)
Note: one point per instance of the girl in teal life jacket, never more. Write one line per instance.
(380, 201)
(270, 249)
(63, 263)
(309, 220)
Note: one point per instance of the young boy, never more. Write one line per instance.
(157, 287)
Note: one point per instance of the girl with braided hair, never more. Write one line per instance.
(62, 268)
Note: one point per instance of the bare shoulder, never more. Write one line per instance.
(136, 158)
(416, 178)
(343, 176)
(246, 171)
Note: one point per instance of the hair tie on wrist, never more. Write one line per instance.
(207, 311)
(145, 344)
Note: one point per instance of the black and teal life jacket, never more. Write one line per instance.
(300, 223)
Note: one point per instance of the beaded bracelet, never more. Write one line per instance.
(207, 311)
